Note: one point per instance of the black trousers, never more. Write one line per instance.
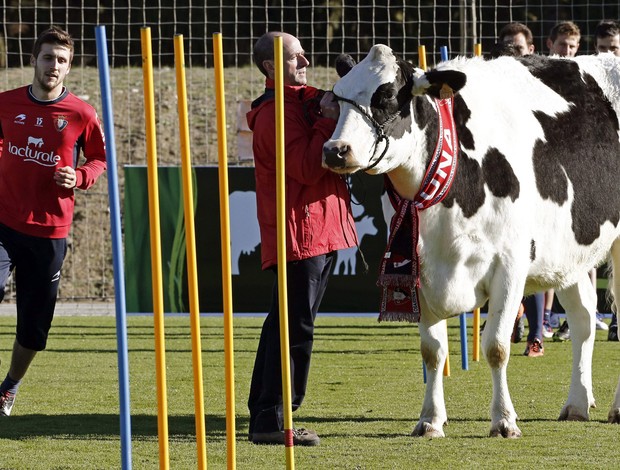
(306, 283)
(37, 262)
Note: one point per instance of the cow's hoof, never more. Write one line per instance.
(572, 413)
(424, 429)
(505, 429)
(614, 416)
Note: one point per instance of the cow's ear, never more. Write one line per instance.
(437, 83)
(344, 63)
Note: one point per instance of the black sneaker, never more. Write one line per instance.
(301, 437)
(612, 333)
(6, 403)
(563, 334)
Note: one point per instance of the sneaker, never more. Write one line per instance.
(547, 331)
(554, 320)
(563, 334)
(600, 324)
(612, 334)
(6, 403)
(534, 348)
(519, 327)
(301, 437)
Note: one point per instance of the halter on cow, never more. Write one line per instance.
(535, 202)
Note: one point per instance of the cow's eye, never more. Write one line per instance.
(388, 98)
(384, 98)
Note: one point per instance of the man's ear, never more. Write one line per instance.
(549, 43)
(33, 61)
(269, 67)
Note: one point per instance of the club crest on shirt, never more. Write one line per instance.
(60, 123)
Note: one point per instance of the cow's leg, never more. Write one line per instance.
(614, 412)
(496, 349)
(579, 301)
(434, 347)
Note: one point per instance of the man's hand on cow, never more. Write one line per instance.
(329, 106)
(65, 177)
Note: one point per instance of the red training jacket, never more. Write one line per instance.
(37, 138)
(318, 209)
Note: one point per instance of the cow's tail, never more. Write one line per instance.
(613, 289)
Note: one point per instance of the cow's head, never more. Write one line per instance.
(376, 123)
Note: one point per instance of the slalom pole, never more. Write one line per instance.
(117, 247)
(422, 65)
(463, 316)
(446, 366)
(190, 247)
(444, 53)
(476, 335)
(422, 57)
(476, 313)
(229, 359)
(281, 238)
(156, 262)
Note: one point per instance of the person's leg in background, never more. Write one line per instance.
(534, 311)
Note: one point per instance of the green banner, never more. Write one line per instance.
(351, 288)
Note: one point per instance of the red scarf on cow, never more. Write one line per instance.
(399, 274)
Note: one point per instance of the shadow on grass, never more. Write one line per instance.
(180, 428)
(99, 426)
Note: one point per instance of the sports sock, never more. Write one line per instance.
(547, 315)
(9, 385)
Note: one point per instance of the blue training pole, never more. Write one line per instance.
(117, 247)
(462, 317)
(444, 53)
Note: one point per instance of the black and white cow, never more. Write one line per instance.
(535, 202)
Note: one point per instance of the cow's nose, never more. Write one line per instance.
(335, 155)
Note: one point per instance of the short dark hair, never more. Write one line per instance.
(606, 29)
(567, 28)
(263, 50)
(53, 35)
(512, 29)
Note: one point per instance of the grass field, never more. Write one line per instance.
(364, 398)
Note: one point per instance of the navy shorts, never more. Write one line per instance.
(36, 263)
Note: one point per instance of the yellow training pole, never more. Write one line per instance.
(281, 230)
(446, 366)
(422, 57)
(190, 247)
(476, 312)
(158, 296)
(229, 361)
(476, 335)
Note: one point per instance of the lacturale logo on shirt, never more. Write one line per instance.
(32, 153)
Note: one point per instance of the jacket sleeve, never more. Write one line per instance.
(303, 144)
(304, 149)
(94, 152)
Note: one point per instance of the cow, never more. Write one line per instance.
(36, 141)
(534, 202)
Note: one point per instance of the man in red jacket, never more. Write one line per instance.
(318, 222)
(43, 128)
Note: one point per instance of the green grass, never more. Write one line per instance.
(364, 397)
